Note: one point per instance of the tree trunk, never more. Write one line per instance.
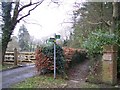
(6, 32)
(114, 17)
(5, 40)
(4, 47)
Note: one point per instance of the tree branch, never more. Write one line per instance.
(55, 1)
(15, 13)
(95, 23)
(66, 22)
(107, 23)
(28, 5)
(102, 21)
(77, 4)
(37, 4)
(32, 23)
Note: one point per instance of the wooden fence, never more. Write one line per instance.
(19, 56)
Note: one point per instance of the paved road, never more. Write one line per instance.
(14, 76)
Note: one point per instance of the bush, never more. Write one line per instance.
(60, 61)
(74, 56)
(78, 57)
(95, 41)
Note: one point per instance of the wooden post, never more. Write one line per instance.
(1, 57)
(15, 56)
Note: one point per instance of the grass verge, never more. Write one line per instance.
(42, 82)
(6, 66)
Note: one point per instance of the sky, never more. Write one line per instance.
(49, 19)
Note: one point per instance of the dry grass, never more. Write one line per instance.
(6, 66)
(42, 82)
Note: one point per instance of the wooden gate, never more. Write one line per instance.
(28, 57)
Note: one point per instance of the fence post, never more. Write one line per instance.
(15, 56)
(0, 57)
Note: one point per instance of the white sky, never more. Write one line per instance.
(49, 19)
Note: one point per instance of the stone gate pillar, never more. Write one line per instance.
(109, 64)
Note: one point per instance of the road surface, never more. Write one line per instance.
(13, 76)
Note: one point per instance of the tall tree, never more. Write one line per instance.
(92, 16)
(24, 38)
(13, 44)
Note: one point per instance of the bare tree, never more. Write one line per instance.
(10, 21)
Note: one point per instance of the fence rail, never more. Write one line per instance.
(21, 56)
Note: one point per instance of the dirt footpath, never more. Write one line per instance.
(78, 74)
